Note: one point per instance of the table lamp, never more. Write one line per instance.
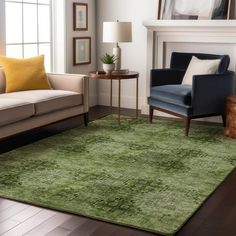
(117, 32)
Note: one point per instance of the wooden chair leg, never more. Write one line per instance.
(224, 120)
(187, 125)
(86, 119)
(150, 114)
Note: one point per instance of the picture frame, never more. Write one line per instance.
(194, 10)
(159, 9)
(81, 50)
(223, 11)
(80, 16)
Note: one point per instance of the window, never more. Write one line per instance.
(28, 29)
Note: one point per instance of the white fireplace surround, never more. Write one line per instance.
(161, 32)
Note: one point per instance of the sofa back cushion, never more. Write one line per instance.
(181, 61)
(2, 81)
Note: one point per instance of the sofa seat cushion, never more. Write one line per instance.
(173, 94)
(46, 101)
(13, 110)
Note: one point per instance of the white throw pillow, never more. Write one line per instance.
(200, 67)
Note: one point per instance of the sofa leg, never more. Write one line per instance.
(224, 120)
(86, 118)
(150, 114)
(187, 125)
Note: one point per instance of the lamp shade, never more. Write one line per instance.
(115, 32)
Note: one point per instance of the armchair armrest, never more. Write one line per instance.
(166, 76)
(209, 92)
(71, 82)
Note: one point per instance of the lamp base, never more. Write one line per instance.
(117, 53)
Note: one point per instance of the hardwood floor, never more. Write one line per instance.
(216, 217)
(20, 219)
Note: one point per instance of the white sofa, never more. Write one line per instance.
(26, 110)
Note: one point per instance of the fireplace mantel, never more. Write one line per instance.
(189, 31)
(191, 25)
(185, 31)
(160, 32)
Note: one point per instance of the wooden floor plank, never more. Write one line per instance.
(4, 204)
(74, 223)
(7, 225)
(11, 211)
(85, 229)
(49, 225)
(141, 233)
(26, 214)
(31, 223)
(123, 232)
(104, 229)
(59, 231)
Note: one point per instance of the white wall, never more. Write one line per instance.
(70, 33)
(133, 54)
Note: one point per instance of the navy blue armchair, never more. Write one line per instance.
(205, 97)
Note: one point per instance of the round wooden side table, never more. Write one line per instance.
(230, 129)
(100, 75)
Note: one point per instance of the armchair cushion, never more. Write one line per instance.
(200, 67)
(174, 94)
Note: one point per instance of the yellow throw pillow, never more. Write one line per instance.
(24, 74)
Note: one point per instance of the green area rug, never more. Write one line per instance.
(146, 176)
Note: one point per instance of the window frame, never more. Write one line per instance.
(23, 43)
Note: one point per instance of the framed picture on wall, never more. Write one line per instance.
(222, 9)
(80, 16)
(192, 9)
(82, 50)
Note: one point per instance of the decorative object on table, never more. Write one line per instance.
(82, 50)
(80, 16)
(108, 62)
(137, 174)
(117, 32)
(230, 129)
(119, 77)
(121, 71)
(192, 9)
(204, 98)
(100, 73)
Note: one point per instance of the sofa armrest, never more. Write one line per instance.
(71, 82)
(209, 92)
(161, 77)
